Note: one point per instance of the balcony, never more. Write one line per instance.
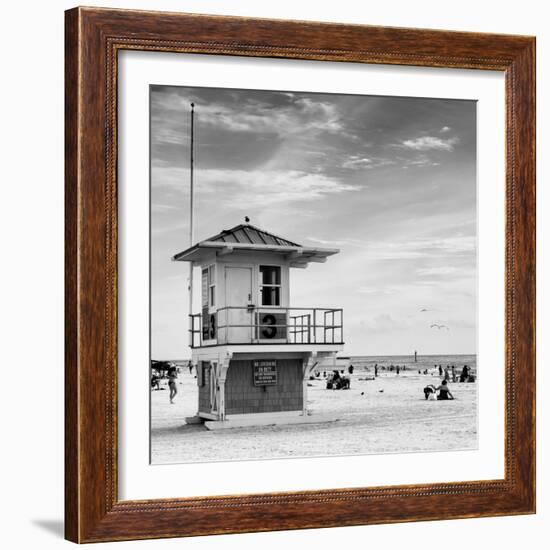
(267, 325)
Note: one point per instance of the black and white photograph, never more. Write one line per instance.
(313, 274)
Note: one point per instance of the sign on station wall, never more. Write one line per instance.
(265, 373)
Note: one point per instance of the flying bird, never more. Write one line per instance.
(439, 327)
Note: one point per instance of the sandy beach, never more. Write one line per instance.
(385, 415)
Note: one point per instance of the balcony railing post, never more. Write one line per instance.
(314, 326)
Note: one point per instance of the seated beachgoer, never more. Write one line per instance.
(444, 392)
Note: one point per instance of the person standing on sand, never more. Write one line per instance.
(440, 371)
(447, 375)
(397, 370)
(453, 371)
(172, 377)
(376, 370)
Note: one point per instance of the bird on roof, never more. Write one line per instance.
(246, 219)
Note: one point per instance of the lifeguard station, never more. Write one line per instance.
(254, 353)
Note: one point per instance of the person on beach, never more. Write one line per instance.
(172, 377)
(397, 370)
(376, 370)
(429, 392)
(444, 392)
(465, 374)
(447, 375)
(453, 373)
(440, 371)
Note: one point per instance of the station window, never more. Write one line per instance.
(209, 286)
(212, 285)
(270, 285)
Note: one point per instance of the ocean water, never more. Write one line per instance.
(366, 363)
(424, 362)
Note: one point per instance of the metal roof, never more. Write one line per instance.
(246, 237)
(249, 234)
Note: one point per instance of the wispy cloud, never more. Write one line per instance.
(255, 187)
(407, 249)
(427, 143)
(445, 129)
(159, 207)
(358, 162)
(420, 161)
(338, 242)
(301, 114)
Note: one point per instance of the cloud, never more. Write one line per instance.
(254, 187)
(445, 129)
(428, 143)
(170, 135)
(419, 162)
(338, 242)
(408, 250)
(357, 162)
(302, 114)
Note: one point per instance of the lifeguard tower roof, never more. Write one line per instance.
(246, 237)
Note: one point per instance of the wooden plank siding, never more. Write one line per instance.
(242, 397)
(204, 388)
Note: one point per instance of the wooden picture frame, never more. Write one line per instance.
(93, 39)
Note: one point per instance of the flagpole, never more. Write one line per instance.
(191, 214)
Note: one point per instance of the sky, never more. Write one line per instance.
(390, 181)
